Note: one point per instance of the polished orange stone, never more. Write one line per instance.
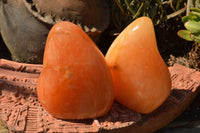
(141, 78)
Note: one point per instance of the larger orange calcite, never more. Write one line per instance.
(75, 82)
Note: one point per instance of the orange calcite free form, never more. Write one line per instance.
(75, 82)
(141, 78)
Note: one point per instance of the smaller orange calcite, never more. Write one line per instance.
(141, 78)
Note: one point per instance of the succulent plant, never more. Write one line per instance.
(192, 25)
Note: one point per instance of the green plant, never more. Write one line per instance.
(192, 25)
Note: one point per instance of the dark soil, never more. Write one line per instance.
(174, 49)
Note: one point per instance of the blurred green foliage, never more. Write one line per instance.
(125, 11)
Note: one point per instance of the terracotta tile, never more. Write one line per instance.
(20, 108)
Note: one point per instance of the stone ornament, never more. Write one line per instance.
(25, 24)
(90, 15)
(24, 35)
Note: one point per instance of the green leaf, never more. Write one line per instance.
(195, 10)
(185, 34)
(196, 16)
(185, 19)
(193, 16)
(193, 26)
(195, 37)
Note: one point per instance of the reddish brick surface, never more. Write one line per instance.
(20, 108)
